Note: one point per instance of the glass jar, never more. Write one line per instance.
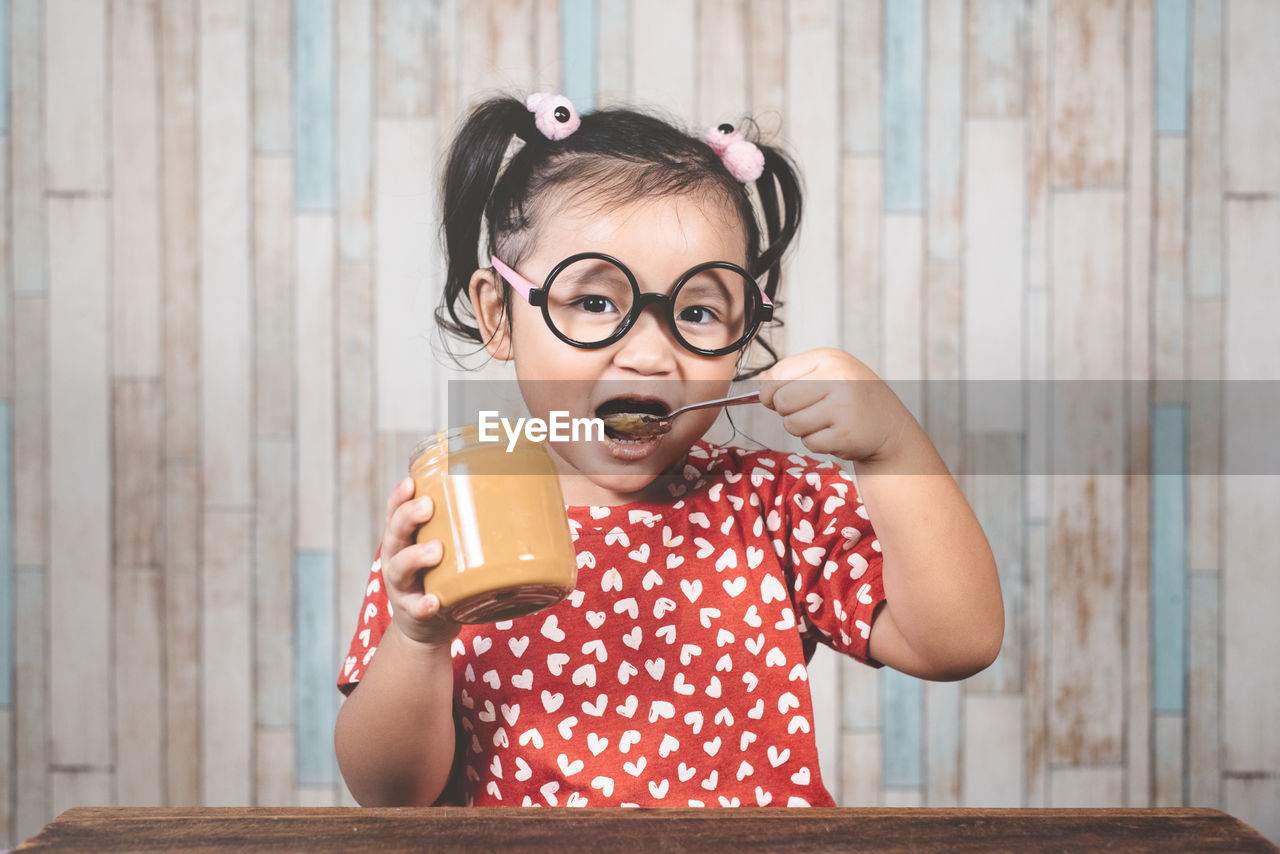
(500, 516)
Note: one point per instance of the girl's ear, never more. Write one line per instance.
(485, 291)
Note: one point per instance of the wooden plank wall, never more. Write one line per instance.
(218, 262)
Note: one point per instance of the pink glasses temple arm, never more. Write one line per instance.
(517, 281)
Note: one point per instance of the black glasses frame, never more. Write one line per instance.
(758, 311)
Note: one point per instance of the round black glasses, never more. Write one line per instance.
(590, 300)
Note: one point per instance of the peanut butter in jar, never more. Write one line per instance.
(500, 516)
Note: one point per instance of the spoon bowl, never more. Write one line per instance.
(644, 425)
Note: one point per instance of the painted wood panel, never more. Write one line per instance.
(79, 411)
(272, 76)
(32, 809)
(1204, 154)
(75, 95)
(1250, 590)
(723, 61)
(7, 580)
(135, 197)
(313, 105)
(944, 744)
(996, 55)
(903, 106)
(225, 271)
(1252, 97)
(406, 34)
(30, 430)
(403, 211)
(994, 206)
(180, 224)
(1169, 288)
(1142, 328)
(945, 133)
(579, 26)
(861, 39)
(183, 607)
(1254, 800)
(361, 496)
(661, 78)
(26, 146)
(1088, 97)
(6, 281)
(862, 253)
(1086, 569)
(993, 772)
(812, 75)
(226, 660)
(903, 297)
(355, 106)
(1204, 761)
(274, 302)
(613, 66)
(768, 48)
(139, 677)
(316, 381)
(137, 510)
(1039, 91)
(274, 647)
(1086, 787)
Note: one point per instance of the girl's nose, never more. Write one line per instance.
(648, 347)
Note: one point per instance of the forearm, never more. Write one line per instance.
(395, 737)
(943, 617)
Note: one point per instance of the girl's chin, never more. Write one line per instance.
(627, 469)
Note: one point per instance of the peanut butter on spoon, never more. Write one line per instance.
(641, 425)
(645, 425)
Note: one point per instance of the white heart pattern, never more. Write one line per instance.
(622, 695)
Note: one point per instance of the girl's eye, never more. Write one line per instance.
(697, 314)
(595, 304)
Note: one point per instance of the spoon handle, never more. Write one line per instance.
(733, 400)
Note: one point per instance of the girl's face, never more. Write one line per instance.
(658, 239)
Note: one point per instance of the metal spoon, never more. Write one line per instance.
(644, 424)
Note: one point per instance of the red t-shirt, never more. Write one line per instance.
(674, 675)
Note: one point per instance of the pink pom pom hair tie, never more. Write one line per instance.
(553, 115)
(740, 156)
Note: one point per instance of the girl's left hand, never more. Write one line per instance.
(835, 404)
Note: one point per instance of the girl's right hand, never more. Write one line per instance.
(414, 612)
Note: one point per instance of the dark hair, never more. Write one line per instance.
(616, 154)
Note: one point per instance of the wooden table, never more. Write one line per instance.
(634, 831)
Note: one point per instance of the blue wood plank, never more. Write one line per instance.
(578, 28)
(903, 106)
(902, 754)
(7, 580)
(1172, 58)
(1168, 557)
(314, 73)
(4, 66)
(314, 598)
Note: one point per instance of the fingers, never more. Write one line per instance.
(403, 573)
(784, 372)
(797, 396)
(402, 493)
(403, 520)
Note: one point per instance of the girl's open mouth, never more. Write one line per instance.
(633, 425)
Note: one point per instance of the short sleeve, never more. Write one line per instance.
(374, 617)
(834, 556)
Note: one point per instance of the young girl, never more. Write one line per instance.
(675, 674)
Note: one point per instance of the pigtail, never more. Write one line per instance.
(470, 174)
(780, 200)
